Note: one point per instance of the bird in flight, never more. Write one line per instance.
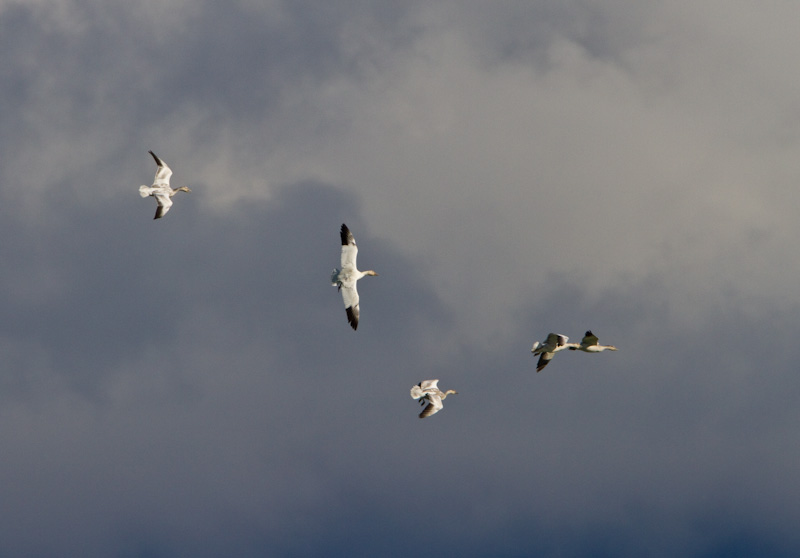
(428, 392)
(547, 350)
(346, 277)
(160, 189)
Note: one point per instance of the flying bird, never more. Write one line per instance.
(160, 189)
(589, 344)
(547, 350)
(429, 392)
(345, 279)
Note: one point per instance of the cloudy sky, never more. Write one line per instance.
(190, 386)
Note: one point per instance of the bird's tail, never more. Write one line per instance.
(335, 278)
(144, 191)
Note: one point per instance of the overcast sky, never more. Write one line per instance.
(190, 386)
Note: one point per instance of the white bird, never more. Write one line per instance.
(589, 344)
(429, 392)
(345, 279)
(547, 350)
(160, 189)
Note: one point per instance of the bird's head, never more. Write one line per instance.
(184, 189)
(370, 272)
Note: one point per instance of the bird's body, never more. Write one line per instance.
(347, 277)
(161, 189)
(546, 351)
(429, 392)
(589, 344)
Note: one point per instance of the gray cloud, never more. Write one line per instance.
(191, 386)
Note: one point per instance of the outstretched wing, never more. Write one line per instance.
(164, 203)
(349, 249)
(544, 360)
(555, 340)
(163, 173)
(350, 298)
(434, 406)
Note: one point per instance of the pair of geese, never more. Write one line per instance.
(556, 342)
(345, 279)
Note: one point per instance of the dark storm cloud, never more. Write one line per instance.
(216, 399)
(241, 298)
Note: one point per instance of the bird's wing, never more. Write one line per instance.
(349, 256)
(347, 236)
(350, 298)
(589, 339)
(349, 248)
(555, 340)
(164, 203)
(434, 406)
(544, 360)
(163, 173)
(429, 385)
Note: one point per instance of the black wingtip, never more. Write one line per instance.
(541, 364)
(346, 235)
(352, 319)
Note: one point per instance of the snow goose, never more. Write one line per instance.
(547, 350)
(345, 279)
(429, 392)
(160, 189)
(589, 344)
